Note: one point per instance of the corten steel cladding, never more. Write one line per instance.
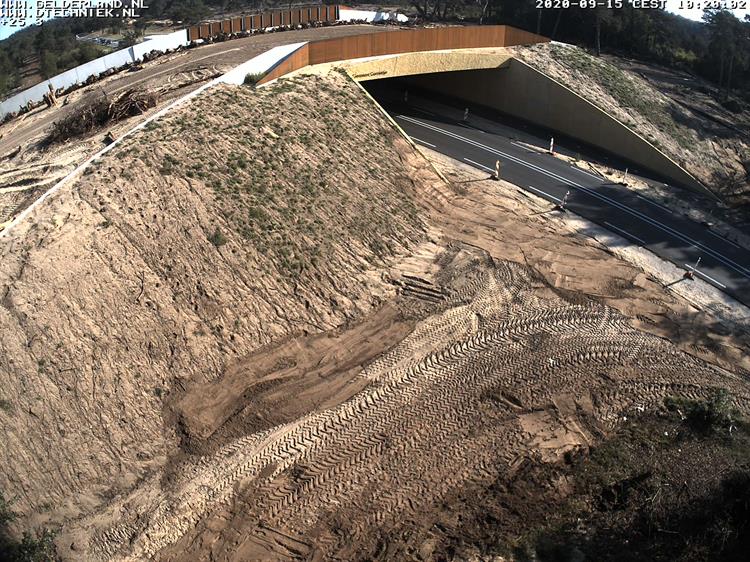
(298, 59)
(374, 44)
(266, 19)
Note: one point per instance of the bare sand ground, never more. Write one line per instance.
(27, 170)
(285, 348)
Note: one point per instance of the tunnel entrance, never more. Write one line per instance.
(527, 106)
(408, 97)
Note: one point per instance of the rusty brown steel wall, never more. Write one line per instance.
(514, 36)
(271, 18)
(298, 59)
(374, 44)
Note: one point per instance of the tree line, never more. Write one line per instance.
(718, 48)
(52, 48)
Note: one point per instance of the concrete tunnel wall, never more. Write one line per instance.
(518, 90)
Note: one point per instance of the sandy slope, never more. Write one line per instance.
(255, 340)
(674, 111)
(114, 297)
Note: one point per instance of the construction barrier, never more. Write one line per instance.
(272, 18)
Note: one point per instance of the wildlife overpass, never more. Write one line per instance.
(472, 67)
(471, 63)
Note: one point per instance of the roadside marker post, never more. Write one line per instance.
(690, 273)
(625, 178)
(496, 176)
(561, 205)
(466, 114)
(552, 145)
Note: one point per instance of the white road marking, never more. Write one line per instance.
(526, 148)
(545, 193)
(422, 110)
(724, 239)
(647, 200)
(480, 165)
(625, 232)
(653, 222)
(598, 178)
(420, 141)
(691, 268)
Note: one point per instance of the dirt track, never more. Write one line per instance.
(501, 368)
(247, 360)
(27, 171)
(193, 65)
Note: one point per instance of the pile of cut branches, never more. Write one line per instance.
(99, 112)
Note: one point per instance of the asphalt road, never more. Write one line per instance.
(481, 142)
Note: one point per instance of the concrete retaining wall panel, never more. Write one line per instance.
(347, 14)
(161, 43)
(523, 92)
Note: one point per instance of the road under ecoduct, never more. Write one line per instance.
(481, 142)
